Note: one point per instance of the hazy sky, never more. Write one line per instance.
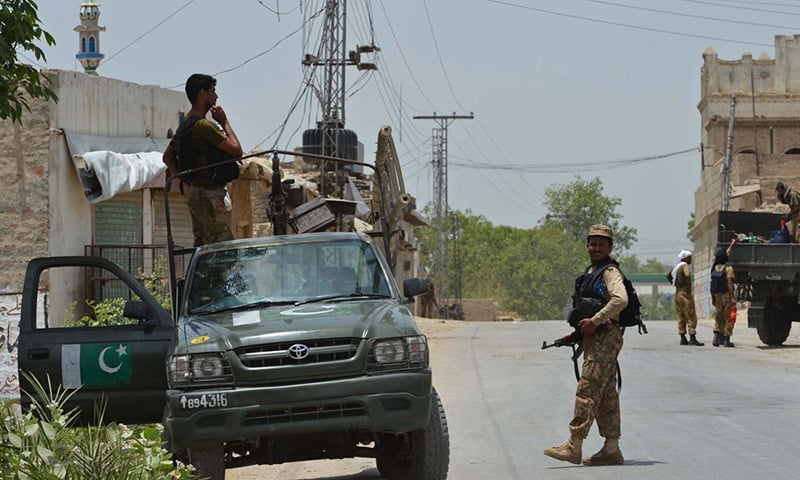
(552, 84)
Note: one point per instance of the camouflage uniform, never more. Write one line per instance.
(723, 303)
(596, 397)
(684, 301)
(211, 221)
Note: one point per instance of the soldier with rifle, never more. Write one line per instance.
(597, 302)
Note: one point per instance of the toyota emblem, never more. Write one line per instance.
(298, 351)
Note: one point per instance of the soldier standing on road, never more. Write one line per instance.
(681, 279)
(722, 296)
(596, 397)
(211, 220)
(790, 197)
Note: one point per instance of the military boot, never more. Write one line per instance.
(727, 341)
(717, 339)
(693, 341)
(570, 451)
(683, 339)
(605, 456)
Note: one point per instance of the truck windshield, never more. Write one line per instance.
(269, 274)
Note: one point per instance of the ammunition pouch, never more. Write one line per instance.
(583, 307)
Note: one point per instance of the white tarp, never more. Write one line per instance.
(121, 172)
(120, 164)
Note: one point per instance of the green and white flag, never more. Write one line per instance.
(95, 364)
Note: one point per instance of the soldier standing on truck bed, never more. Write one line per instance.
(790, 197)
(722, 296)
(200, 142)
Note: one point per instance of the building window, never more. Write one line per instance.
(747, 150)
(83, 45)
(91, 45)
(793, 151)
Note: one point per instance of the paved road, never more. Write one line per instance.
(702, 412)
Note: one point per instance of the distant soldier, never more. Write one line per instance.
(722, 296)
(790, 197)
(681, 279)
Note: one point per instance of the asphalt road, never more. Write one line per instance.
(687, 412)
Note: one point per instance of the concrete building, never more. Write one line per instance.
(765, 144)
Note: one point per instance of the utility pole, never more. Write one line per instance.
(333, 57)
(726, 167)
(440, 207)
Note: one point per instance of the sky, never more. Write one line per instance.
(557, 88)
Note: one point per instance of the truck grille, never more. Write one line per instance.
(319, 351)
(304, 414)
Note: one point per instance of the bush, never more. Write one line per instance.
(42, 444)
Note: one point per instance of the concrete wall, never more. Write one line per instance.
(43, 209)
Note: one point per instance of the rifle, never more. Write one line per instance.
(276, 211)
(568, 340)
(571, 340)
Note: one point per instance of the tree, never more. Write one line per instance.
(580, 204)
(19, 30)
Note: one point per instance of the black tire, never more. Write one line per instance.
(774, 330)
(418, 455)
(774, 327)
(208, 462)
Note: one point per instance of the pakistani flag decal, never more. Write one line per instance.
(95, 364)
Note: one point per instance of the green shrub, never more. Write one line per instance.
(42, 445)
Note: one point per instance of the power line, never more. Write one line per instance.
(688, 15)
(573, 167)
(628, 25)
(148, 31)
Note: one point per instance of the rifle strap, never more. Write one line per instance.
(576, 353)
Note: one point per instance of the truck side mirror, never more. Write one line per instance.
(413, 287)
(138, 310)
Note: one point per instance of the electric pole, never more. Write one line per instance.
(440, 207)
(333, 57)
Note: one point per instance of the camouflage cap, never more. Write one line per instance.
(600, 231)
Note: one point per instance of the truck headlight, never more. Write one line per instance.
(205, 368)
(402, 352)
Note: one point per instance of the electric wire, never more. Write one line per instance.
(111, 57)
(687, 15)
(628, 25)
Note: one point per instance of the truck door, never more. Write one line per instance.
(92, 329)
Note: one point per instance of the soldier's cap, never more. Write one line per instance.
(600, 231)
(779, 186)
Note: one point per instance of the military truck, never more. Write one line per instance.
(275, 349)
(767, 272)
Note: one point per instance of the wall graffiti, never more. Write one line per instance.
(9, 331)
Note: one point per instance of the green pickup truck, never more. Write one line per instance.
(284, 348)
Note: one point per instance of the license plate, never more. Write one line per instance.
(204, 400)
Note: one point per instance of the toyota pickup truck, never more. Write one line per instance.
(274, 349)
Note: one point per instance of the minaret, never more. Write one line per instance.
(89, 37)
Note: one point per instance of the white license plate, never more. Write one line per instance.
(204, 400)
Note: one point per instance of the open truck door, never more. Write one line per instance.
(92, 329)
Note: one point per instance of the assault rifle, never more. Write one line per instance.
(568, 340)
(276, 211)
(583, 308)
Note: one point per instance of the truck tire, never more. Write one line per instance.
(774, 330)
(418, 455)
(208, 462)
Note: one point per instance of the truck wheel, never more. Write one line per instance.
(418, 455)
(773, 330)
(208, 462)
